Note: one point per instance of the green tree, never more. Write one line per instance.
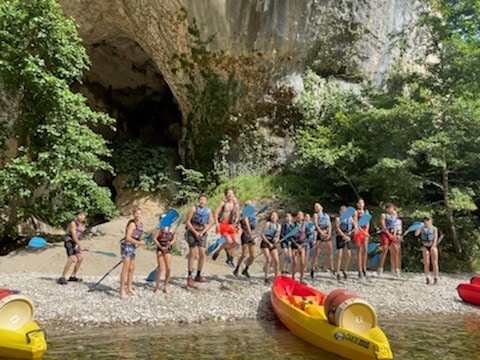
(53, 151)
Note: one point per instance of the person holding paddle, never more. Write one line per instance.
(198, 221)
(226, 216)
(287, 226)
(429, 237)
(323, 226)
(248, 224)
(270, 239)
(388, 237)
(360, 237)
(164, 239)
(74, 249)
(128, 248)
(344, 229)
(298, 244)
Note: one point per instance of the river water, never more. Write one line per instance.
(431, 337)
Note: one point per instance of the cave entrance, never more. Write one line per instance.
(124, 82)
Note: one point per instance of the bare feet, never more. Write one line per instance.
(123, 295)
(165, 289)
(131, 292)
(157, 291)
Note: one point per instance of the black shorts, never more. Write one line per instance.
(285, 244)
(169, 251)
(71, 248)
(320, 237)
(341, 243)
(264, 245)
(246, 238)
(297, 245)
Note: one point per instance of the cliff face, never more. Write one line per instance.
(150, 49)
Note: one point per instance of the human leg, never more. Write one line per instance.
(435, 268)
(123, 277)
(266, 254)
(167, 259)
(158, 274)
(275, 259)
(426, 264)
(131, 274)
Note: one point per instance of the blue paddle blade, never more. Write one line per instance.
(293, 232)
(375, 259)
(37, 242)
(247, 211)
(215, 245)
(169, 218)
(372, 247)
(151, 277)
(348, 213)
(262, 210)
(415, 226)
(364, 220)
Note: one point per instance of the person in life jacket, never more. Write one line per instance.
(388, 237)
(226, 216)
(164, 238)
(429, 237)
(344, 241)
(128, 248)
(199, 221)
(74, 233)
(270, 239)
(399, 232)
(287, 226)
(298, 244)
(323, 227)
(248, 224)
(360, 237)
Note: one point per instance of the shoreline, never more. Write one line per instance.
(223, 298)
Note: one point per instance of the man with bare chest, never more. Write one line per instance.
(226, 217)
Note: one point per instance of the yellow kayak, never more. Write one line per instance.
(20, 336)
(340, 322)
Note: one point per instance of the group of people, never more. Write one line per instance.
(298, 237)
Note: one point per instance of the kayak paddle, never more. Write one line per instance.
(215, 245)
(104, 276)
(364, 220)
(38, 243)
(372, 247)
(169, 218)
(262, 210)
(349, 211)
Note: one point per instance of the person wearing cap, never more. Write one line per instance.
(429, 238)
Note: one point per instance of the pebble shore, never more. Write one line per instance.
(221, 298)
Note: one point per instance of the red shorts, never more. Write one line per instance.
(227, 229)
(385, 240)
(360, 235)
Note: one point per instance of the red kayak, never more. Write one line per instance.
(475, 280)
(469, 293)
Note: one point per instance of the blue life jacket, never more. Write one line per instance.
(286, 228)
(275, 229)
(309, 229)
(390, 222)
(346, 225)
(427, 234)
(323, 220)
(201, 216)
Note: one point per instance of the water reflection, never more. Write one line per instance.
(433, 337)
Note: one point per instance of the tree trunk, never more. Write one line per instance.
(451, 227)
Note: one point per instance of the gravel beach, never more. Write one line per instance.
(222, 298)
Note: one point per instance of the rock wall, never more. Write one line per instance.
(147, 48)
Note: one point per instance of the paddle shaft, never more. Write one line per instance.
(104, 276)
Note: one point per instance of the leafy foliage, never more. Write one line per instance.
(51, 174)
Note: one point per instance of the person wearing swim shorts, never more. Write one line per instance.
(344, 241)
(248, 224)
(74, 249)
(298, 244)
(226, 216)
(360, 237)
(388, 236)
(287, 226)
(128, 248)
(323, 227)
(429, 237)
(270, 239)
(164, 239)
(198, 221)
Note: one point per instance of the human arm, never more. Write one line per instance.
(216, 215)
(264, 237)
